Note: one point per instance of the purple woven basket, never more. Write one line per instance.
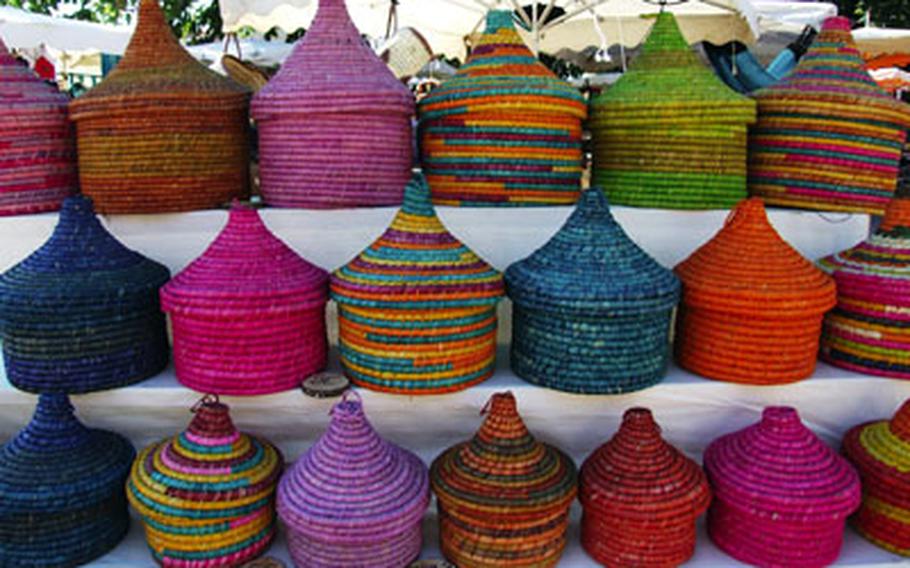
(38, 161)
(354, 499)
(781, 496)
(334, 123)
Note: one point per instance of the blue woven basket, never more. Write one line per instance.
(591, 310)
(62, 485)
(81, 313)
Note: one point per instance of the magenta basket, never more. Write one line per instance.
(38, 158)
(354, 499)
(248, 315)
(334, 123)
(781, 496)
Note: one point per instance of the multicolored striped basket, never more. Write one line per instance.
(670, 133)
(591, 311)
(880, 451)
(417, 309)
(781, 496)
(503, 497)
(206, 496)
(248, 316)
(162, 132)
(752, 306)
(504, 130)
(868, 329)
(334, 123)
(38, 165)
(81, 313)
(354, 499)
(641, 498)
(828, 137)
(62, 486)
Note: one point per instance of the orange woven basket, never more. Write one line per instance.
(162, 132)
(752, 306)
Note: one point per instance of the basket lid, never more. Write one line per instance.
(210, 461)
(503, 471)
(22, 92)
(637, 474)
(502, 74)
(668, 82)
(780, 469)
(747, 267)
(56, 464)
(417, 264)
(332, 69)
(81, 268)
(591, 265)
(246, 268)
(155, 67)
(881, 452)
(352, 484)
(833, 70)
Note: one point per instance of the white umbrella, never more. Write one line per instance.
(448, 23)
(882, 41)
(22, 29)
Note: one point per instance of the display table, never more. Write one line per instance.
(691, 410)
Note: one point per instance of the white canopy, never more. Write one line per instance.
(23, 29)
(446, 23)
(881, 41)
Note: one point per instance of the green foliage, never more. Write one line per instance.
(191, 21)
(885, 13)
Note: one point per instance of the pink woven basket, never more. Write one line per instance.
(38, 158)
(781, 496)
(334, 123)
(248, 315)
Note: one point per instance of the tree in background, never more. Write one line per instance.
(885, 13)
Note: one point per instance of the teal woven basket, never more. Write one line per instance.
(591, 310)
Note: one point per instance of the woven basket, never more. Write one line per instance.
(62, 487)
(591, 310)
(752, 306)
(781, 496)
(81, 313)
(248, 315)
(880, 451)
(641, 498)
(38, 164)
(670, 133)
(417, 309)
(504, 130)
(206, 496)
(828, 137)
(162, 132)
(503, 497)
(354, 499)
(334, 123)
(868, 330)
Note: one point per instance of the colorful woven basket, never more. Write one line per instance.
(354, 499)
(62, 486)
(781, 496)
(752, 306)
(504, 130)
(206, 496)
(81, 314)
(162, 132)
(868, 330)
(248, 315)
(828, 137)
(641, 498)
(670, 133)
(503, 497)
(334, 122)
(417, 309)
(38, 165)
(880, 451)
(591, 311)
